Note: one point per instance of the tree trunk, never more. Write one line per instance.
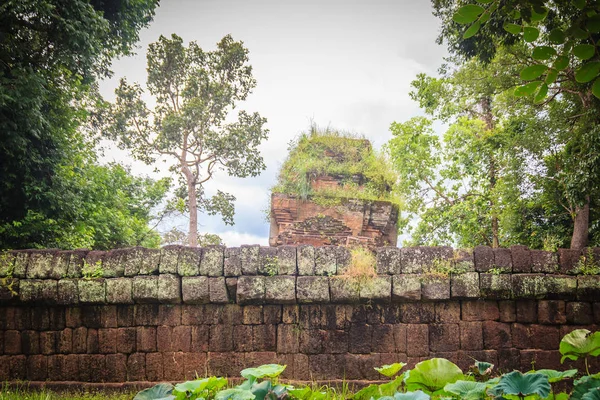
(581, 226)
(488, 118)
(193, 206)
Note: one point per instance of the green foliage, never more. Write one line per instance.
(264, 371)
(52, 54)
(580, 343)
(556, 376)
(195, 92)
(467, 390)
(431, 376)
(92, 271)
(521, 385)
(587, 264)
(161, 391)
(365, 174)
(390, 370)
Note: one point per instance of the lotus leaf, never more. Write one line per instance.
(391, 369)
(198, 385)
(516, 383)
(592, 394)
(467, 390)
(584, 385)
(162, 391)
(418, 395)
(264, 371)
(260, 390)
(556, 376)
(306, 393)
(234, 394)
(484, 368)
(432, 375)
(377, 391)
(579, 343)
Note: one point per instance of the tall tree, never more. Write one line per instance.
(563, 64)
(51, 53)
(195, 91)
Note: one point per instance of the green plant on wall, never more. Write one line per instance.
(587, 265)
(92, 271)
(362, 172)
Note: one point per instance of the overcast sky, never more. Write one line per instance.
(347, 64)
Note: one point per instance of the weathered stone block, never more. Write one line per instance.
(113, 264)
(471, 335)
(251, 290)
(525, 285)
(195, 290)
(306, 260)
(406, 287)
(521, 257)
(76, 258)
(503, 259)
(169, 288)
(91, 291)
(435, 288)
(508, 311)
(250, 258)
(479, 310)
(325, 260)
(280, 289)
(444, 337)
(447, 311)
(588, 287)
(20, 263)
(42, 263)
(232, 263)
(217, 290)
(188, 263)
(465, 285)
(268, 263)
(552, 312)
(287, 260)
(496, 335)
(212, 261)
(343, 259)
(312, 289)
(145, 289)
(560, 287)
(416, 260)
(544, 262)
(378, 289)
(383, 339)
(344, 290)
(119, 291)
(526, 311)
(7, 263)
(388, 260)
(417, 313)
(149, 261)
(417, 340)
(579, 313)
(496, 286)
(231, 284)
(464, 260)
(67, 292)
(483, 257)
(30, 290)
(567, 260)
(169, 256)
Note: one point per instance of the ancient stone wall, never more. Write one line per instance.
(168, 314)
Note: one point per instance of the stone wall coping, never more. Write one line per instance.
(253, 274)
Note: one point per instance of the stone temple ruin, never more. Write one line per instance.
(334, 190)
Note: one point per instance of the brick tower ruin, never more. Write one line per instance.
(333, 190)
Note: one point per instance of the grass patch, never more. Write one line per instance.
(25, 393)
(364, 173)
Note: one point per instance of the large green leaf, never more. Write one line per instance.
(587, 72)
(512, 28)
(264, 371)
(538, 13)
(467, 390)
(391, 369)
(541, 93)
(557, 36)
(467, 14)
(556, 376)
(593, 24)
(527, 89)
(580, 343)
(377, 391)
(561, 63)
(533, 72)
(551, 76)
(541, 53)
(432, 375)
(235, 394)
(418, 395)
(473, 29)
(198, 385)
(260, 390)
(162, 391)
(584, 385)
(484, 367)
(596, 88)
(592, 394)
(530, 34)
(516, 383)
(584, 51)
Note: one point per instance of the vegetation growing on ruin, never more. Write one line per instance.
(364, 173)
